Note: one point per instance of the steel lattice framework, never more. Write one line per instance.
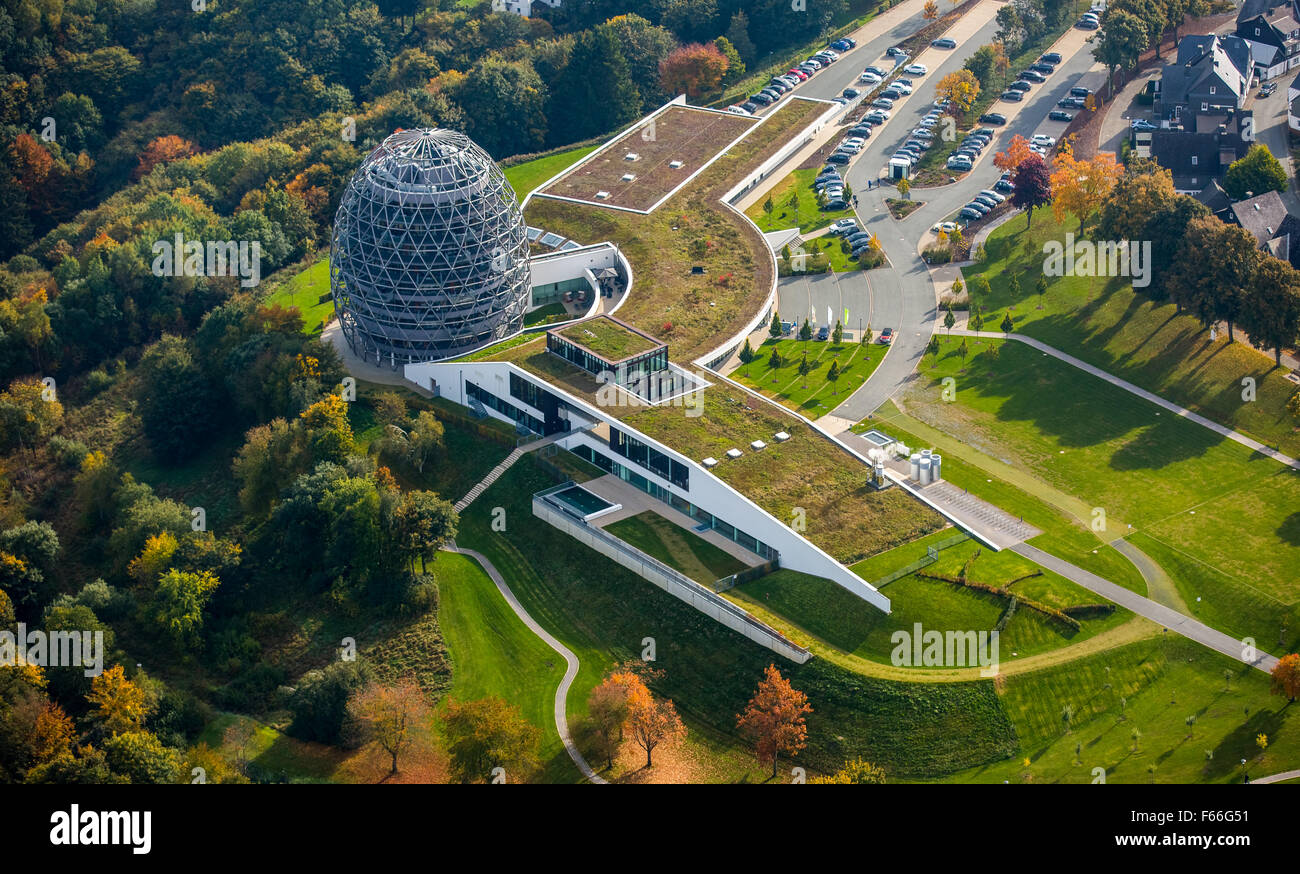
(430, 251)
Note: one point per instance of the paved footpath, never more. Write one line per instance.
(1277, 778)
(561, 692)
(1170, 619)
(1140, 392)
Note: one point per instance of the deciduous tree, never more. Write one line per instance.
(960, 88)
(693, 70)
(1080, 186)
(1033, 188)
(651, 721)
(1270, 315)
(1285, 676)
(774, 718)
(1256, 173)
(487, 734)
(389, 716)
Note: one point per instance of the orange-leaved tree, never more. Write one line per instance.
(693, 69)
(607, 711)
(1080, 186)
(1016, 152)
(1286, 676)
(650, 721)
(930, 10)
(774, 718)
(960, 89)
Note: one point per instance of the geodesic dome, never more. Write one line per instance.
(430, 251)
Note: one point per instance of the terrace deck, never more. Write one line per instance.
(682, 134)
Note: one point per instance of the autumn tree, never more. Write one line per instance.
(1080, 186)
(960, 89)
(389, 716)
(162, 150)
(1146, 189)
(607, 711)
(651, 721)
(487, 734)
(774, 718)
(179, 602)
(930, 11)
(29, 414)
(118, 704)
(1286, 677)
(693, 70)
(1015, 154)
(855, 772)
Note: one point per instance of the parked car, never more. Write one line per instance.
(823, 333)
(944, 42)
(750, 106)
(998, 198)
(869, 79)
(946, 227)
(1012, 96)
(736, 109)
(873, 69)
(840, 100)
(896, 51)
(883, 103)
(852, 93)
(1086, 24)
(1141, 124)
(877, 116)
(861, 130)
(960, 162)
(887, 336)
(902, 88)
(1070, 103)
(1004, 185)
(761, 99)
(801, 75)
(1020, 85)
(969, 214)
(915, 69)
(1079, 91)
(993, 118)
(1043, 140)
(838, 158)
(891, 93)
(861, 238)
(978, 207)
(1032, 76)
(1268, 89)
(1043, 67)
(1051, 58)
(984, 200)
(1059, 115)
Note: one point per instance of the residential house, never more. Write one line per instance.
(1277, 231)
(1273, 30)
(1210, 74)
(1198, 156)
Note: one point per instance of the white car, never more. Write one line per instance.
(869, 79)
(737, 109)
(1043, 140)
(915, 69)
(901, 88)
(946, 227)
(842, 226)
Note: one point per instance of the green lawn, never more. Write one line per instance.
(813, 395)
(309, 292)
(1178, 483)
(803, 214)
(603, 612)
(494, 654)
(1162, 681)
(275, 754)
(545, 315)
(526, 176)
(1108, 324)
(676, 547)
(841, 619)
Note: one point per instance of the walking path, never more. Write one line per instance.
(1278, 778)
(1133, 389)
(1160, 588)
(1168, 618)
(571, 660)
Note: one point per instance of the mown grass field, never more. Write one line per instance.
(1109, 324)
(676, 547)
(1152, 686)
(493, 654)
(815, 394)
(524, 177)
(1148, 471)
(603, 613)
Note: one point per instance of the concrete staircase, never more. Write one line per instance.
(493, 475)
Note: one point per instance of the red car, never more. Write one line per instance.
(799, 74)
(887, 336)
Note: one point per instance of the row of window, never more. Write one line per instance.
(487, 399)
(650, 458)
(677, 502)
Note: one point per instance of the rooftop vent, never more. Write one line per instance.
(631, 156)
(734, 453)
(602, 195)
(757, 445)
(676, 165)
(780, 437)
(710, 461)
(629, 177)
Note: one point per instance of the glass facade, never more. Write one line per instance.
(677, 502)
(487, 399)
(553, 292)
(634, 370)
(650, 458)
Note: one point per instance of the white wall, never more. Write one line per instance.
(706, 489)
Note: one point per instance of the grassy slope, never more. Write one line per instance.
(305, 292)
(524, 177)
(1108, 324)
(494, 654)
(603, 612)
(676, 547)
